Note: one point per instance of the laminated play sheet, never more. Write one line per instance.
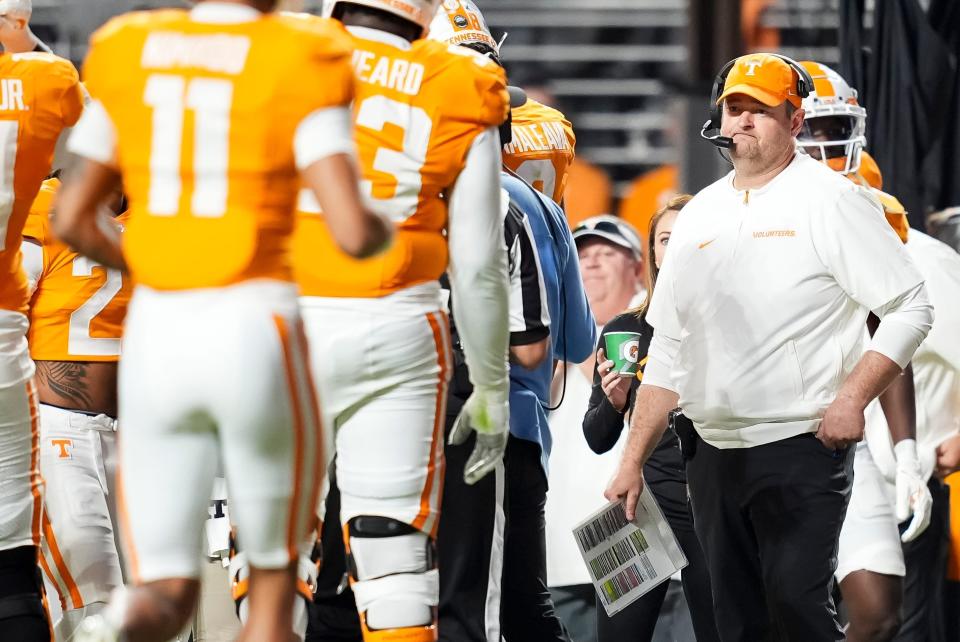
(628, 559)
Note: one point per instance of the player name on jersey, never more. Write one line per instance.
(390, 73)
(11, 95)
(537, 137)
(220, 53)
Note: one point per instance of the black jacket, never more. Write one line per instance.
(603, 423)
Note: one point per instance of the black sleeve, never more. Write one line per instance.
(602, 424)
(529, 318)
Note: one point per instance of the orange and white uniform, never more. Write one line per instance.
(869, 175)
(834, 133)
(426, 116)
(76, 314)
(542, 148)
(208, 115)
(40, 96)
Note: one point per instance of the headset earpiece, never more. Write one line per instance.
(716, 111)
(804, 79)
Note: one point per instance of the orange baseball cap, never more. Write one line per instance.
(762, 76)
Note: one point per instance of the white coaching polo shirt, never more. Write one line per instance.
(760, 307)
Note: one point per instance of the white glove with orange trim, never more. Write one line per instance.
(913, 496)
(487, 412)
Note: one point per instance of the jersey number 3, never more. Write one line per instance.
(402, 165)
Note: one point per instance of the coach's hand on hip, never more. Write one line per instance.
(842, 423)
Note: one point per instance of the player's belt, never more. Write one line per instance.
(108, 423)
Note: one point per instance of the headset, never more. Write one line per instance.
(803, 89)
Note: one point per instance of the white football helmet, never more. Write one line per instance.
(459, 22)
(420, 12)
(834, 124)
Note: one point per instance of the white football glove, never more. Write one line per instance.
(913, 496)
(487, 412)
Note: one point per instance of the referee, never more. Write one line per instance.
(758, 317)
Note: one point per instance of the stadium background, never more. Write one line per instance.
(634, 78)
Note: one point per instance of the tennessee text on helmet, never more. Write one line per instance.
(459, 22)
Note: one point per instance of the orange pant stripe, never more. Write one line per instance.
(72, 589)
(36, 481)
(291, 374)
(439, 338)
(314, 400)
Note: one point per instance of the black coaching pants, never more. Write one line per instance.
(924, 615)
(769, 520)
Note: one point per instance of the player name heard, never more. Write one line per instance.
(390, 73)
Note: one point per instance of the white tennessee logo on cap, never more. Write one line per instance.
(753, 64)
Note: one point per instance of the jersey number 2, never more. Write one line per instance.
(79, 341)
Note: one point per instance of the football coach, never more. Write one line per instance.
(759, 337)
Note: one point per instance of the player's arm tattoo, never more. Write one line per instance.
(68, 379)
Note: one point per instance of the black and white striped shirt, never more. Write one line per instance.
(529, 316)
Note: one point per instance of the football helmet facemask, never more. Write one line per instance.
(834, 125)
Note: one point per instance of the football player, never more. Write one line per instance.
(212, 117)
(542, 143)
(870, 560)
(76, 315)
(40, 96)
(426, 116)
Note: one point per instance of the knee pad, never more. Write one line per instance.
(394, 579)
(307, 569)
(22, 615)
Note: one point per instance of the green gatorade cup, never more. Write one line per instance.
(623, 348)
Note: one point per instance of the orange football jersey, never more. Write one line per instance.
(78, 307)
(869, 177)
(647, 194)
(418, 110)
(206, 115)
(895, 212)
(40, 95)
(542, 148)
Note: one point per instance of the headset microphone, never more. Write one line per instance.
(724, 142)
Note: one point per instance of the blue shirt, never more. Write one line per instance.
(573, 331)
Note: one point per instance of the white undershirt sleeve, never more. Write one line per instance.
(32, 263)
(94, 135)
(904, 324)
(660, 357)
(323, 133)
(478, 263)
